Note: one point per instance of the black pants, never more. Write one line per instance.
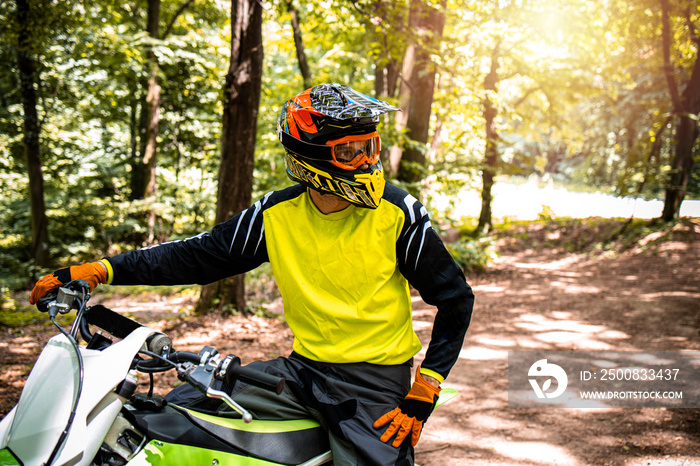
(345, 399)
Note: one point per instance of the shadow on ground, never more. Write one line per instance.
(548, 300)
(542, 299)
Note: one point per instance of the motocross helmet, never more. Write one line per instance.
(330, 137)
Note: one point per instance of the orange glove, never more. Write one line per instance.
(93, 272)
(410, 415)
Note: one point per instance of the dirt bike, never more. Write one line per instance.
(79, 404)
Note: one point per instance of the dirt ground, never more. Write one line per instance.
(546, 299)
(646, 298)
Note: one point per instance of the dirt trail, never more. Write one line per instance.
(543, 299)
(554, 301)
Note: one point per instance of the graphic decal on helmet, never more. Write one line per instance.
(342, 103)
(366, 190)
(329, 134)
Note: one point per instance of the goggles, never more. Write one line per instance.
(351, 152)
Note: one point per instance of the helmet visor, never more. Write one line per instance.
(351, 152)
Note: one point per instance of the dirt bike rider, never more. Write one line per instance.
(344, 247)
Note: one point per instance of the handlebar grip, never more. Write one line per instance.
(184, 356)
(255, 377)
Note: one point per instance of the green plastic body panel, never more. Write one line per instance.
(7, 458)
(162, 454)
(291, 425)
(446, 395)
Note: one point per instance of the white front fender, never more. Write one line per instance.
(45, 403)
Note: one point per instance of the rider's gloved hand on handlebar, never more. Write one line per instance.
(409, 416)
(94, 273)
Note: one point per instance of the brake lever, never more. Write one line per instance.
(220, 395)
(201, 378)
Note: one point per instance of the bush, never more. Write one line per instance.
(16, 314)
(472, 255)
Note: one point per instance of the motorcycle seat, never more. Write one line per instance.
(287, 442)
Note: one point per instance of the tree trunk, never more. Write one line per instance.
(417, 92)
(489, 169)
(681, 168)
(143, 182)
(385, 79)
(405, 90)
(135, 181)
(241, 103)
(148, 153)
(143, 179)
(32, 129)
(386, 71)
(685, 105)
(299, 46)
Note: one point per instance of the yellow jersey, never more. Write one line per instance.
(344, 277)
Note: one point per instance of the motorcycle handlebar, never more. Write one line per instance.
(64, 298)
(157, 342)
(255, 377)
(184, 356)
(230, 370)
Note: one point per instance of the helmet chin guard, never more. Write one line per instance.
(329, 135)
(361, 189)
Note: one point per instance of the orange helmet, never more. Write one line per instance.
(329, 133)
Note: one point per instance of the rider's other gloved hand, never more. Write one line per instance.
(410, 415)
(93, 272)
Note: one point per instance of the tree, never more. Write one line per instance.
(534, 71)
(32, 131)
(426, 23)
(686, 107)
(382, 22)
(143, 180)
(241, 105)
(640, 123)
(299, 45)
(88, 58)
(489, 169)
(143, 184)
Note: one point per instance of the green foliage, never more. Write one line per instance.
(472, 255)
(15, 311)
(12, 318)
(546, 215)
(626, 126)
(579, 96)
(261, 286)
(91, 66)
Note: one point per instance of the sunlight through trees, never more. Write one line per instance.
(593, 94)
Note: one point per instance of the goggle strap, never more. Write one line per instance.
(302, 148)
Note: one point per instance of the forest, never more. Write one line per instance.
(125, 123)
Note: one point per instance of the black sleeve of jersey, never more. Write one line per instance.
(230, 248)
(429, 268)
